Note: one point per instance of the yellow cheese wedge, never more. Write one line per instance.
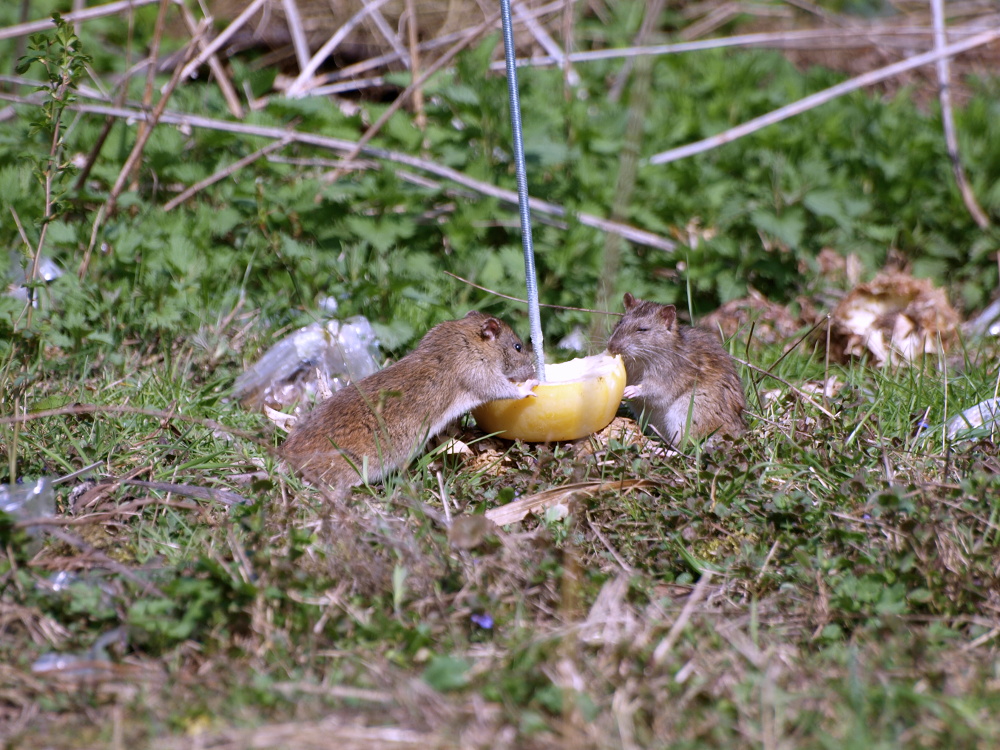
(578, 398)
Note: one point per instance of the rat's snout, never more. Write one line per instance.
(522, 372)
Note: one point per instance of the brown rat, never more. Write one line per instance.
(675, 370)
(380, 422)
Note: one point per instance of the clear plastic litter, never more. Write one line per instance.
(61, 581)
(29, 500)
(48, 271)
(66, 586)
(328, 305)
(302, 365)
(72, 665)
(987, 322)
(90, 664)
(977, 421)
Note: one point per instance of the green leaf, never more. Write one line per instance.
(826, 203)
(51, 402)
(394, 335)
(61, 233)
(445, 673)
(929, 268)
(102, 337)
(474, 64)
(787, 228)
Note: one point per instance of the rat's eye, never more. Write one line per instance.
(643, 330)
(517, 347)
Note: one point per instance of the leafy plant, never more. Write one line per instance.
(63, 63)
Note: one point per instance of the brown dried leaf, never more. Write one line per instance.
(895, 319)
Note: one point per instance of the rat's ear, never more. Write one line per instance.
(669, 314)
(629, 301)
(490, 329)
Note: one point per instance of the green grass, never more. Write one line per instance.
(829, 581)
(850, 598)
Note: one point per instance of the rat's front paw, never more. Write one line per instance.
(632, 391)
(526, 389)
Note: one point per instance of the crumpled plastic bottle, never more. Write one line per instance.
(29, 500)
(17, 278)
(93, 663)
(976, 421)
(318, 356)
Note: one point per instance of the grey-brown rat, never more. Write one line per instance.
(675, 371)
(383, 420)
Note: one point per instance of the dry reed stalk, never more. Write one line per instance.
(414, 48)
(400, 100)
(724, 13)
(546, 42)
(628, 163)
(834, 19)
(347, 86)
(140, 144)
(428, 46)
(822, 97)
(633, 234)
(801, 39)
(567, 34)
(147, 94)
(191, 67)
(948, 118)
(236, 166)
(301, 84)
(298, 34)
(46, 24)
(378, 20)
(214, 65)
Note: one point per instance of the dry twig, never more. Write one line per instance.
(700, 589)
(188, 70)
(633, 234)
(417, 83)
(948, 119)
(236, 166)
(546, 42)
(381, 61)
(517, 510)
(387, 33)
(133, 158)
(821, 97)
(46, 24)
(803, 39)
(414, 49)
(300, 85)
(298, 34)
(214, 64)
(147, 94)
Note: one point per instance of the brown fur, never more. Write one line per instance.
(372, 427)
(675, 371)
